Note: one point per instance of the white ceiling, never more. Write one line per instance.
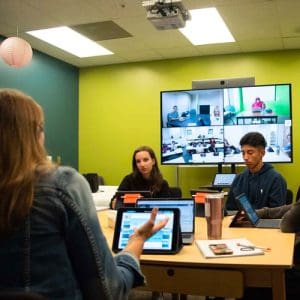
(257, 25)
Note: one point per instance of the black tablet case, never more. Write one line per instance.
(177, 244)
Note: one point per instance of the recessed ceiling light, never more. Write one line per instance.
(70, 41)
(206, 27)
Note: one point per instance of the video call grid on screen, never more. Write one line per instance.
(211, 122)
(162, 240)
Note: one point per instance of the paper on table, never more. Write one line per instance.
(232, 244)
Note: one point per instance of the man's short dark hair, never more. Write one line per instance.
(254, 139)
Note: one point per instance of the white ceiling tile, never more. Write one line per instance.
(257, 25)
(261, 45)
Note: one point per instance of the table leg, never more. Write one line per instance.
(278, 285)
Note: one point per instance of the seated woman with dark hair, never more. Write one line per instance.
(145, 176)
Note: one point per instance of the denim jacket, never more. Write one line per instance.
(61, 252)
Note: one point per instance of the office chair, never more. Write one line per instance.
(93, 180)
(175, 192)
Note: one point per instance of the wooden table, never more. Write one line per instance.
(188, 272)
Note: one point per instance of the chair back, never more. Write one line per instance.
(175, 192)
(93, 180)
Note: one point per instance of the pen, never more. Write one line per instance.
(254, 247)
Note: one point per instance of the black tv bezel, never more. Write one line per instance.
(223, 161)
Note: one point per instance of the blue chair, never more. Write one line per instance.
(229, 113)
(193, 113)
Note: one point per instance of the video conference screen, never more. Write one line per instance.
(204, 126)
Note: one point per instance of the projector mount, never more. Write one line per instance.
(166, 14)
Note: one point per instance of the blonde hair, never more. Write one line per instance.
(22, 156)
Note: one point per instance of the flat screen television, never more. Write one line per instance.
(204, 126)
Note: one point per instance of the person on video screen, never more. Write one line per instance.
(258, 105)
(174, 115)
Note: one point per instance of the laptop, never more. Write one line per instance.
(128, 198)
(223, 180)
(187, 213)
(103, 196)
(252, 216)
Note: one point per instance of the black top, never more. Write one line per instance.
(266, 188)
(132, 183)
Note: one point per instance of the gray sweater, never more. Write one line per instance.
(290, 222)
(290, 215)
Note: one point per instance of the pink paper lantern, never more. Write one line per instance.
(16, 52)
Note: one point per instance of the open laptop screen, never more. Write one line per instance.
(186, 207)
(223, 179)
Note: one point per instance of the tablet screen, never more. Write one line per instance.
(129, 219)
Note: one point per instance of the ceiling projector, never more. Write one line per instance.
(167, 14)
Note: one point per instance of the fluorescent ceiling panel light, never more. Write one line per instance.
(206, 27)
(71, 41)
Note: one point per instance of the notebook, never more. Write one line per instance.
(187, 213)
(223, 180)
(228, 248)
(252, 216)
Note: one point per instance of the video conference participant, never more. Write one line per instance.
(174, 115)
(258, 105)
(263, 185)
(145, 176)
(51, 242)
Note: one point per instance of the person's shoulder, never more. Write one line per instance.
(271, 172)
(65, 171)
(165, 182)
(128, 177)
(240, 178)
(65, 175)
(271, 169)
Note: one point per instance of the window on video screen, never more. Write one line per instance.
(205, 126)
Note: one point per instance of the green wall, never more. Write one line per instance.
(54, 85)
(119, 109)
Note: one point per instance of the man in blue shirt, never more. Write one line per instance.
(174, 115)
(263, 185)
